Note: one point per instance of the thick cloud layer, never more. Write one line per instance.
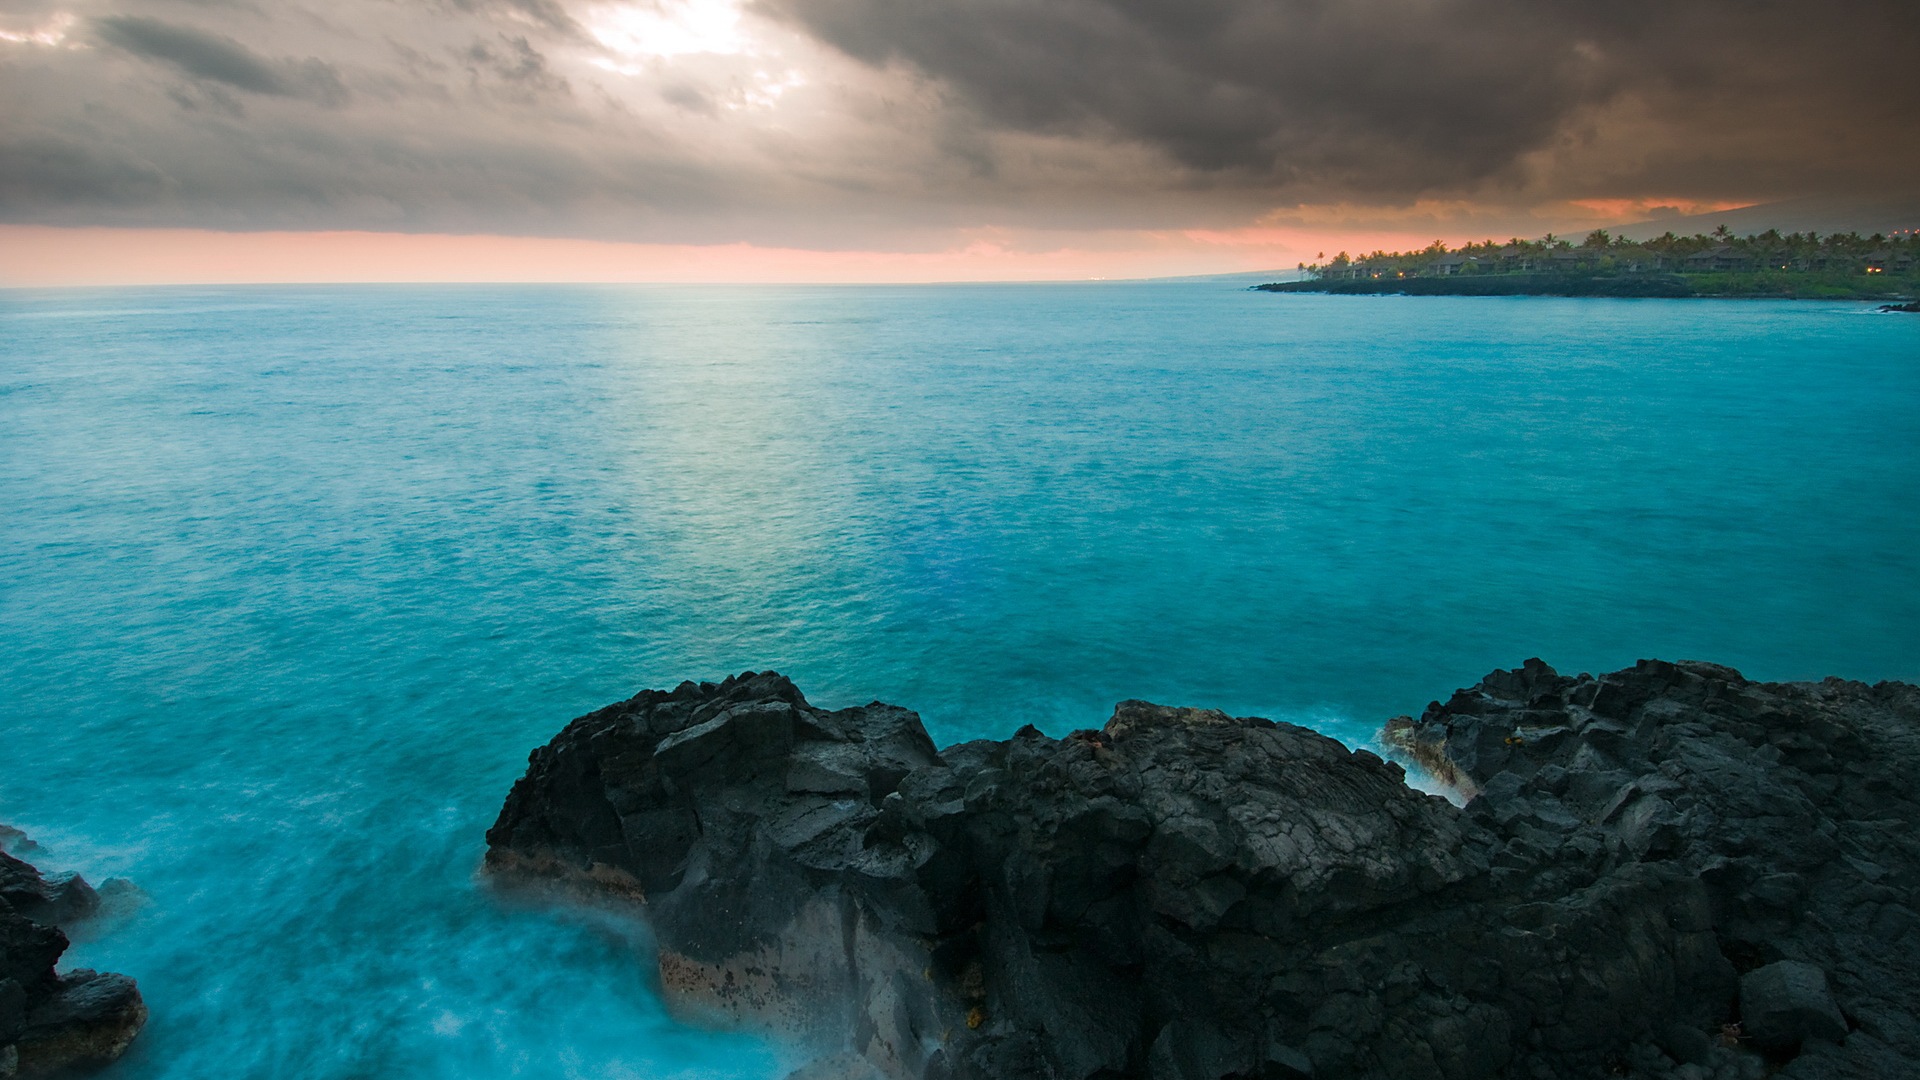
(874, 121)
(1398, 98)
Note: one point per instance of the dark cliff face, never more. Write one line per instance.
(1184, 894)
(54, 1024)
(1792, 805)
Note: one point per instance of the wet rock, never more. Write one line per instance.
(53, 898)
(86, 1020)
(1786, 1003)
(13, 1011)
(50, 1023)
(1186, 894)
(1687, 1045)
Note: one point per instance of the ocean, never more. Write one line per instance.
(292, 579)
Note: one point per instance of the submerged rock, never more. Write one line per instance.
(1185, 895)
(52, 1024)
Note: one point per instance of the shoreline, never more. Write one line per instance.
(1644, 287)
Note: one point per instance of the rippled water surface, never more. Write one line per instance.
(292, 579)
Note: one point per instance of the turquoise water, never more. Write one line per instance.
(292, 579)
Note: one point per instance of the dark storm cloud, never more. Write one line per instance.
(199, 54)
(1371, 91)
(211, 58)
(40, 168)
(1399, 98)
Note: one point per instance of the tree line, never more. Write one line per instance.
(1717, 252)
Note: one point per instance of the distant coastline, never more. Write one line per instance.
(1768, 265)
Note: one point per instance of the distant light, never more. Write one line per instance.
(669, 28)
(53, 33)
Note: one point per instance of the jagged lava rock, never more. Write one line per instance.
(1787, 1002)
(1791, 803)
(49, 898)
(52, 1024)
(1181, 894)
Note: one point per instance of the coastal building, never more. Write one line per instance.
(1720, 258)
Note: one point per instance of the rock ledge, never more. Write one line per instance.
(1668, 871)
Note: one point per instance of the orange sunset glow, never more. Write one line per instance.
(40, 256)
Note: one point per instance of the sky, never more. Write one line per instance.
(155, 140)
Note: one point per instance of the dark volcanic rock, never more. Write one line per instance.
(1185, 895)
(49, 1023)
(1792, 804)
(1786, 1003)
(53, 899)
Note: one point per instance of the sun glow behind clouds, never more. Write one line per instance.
(730, 59)
(53, 33)
(665, 28)
(1654, 206)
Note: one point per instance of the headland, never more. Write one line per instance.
(1803, 266)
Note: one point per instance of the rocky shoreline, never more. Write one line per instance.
(1665, 872)
(53, 1024)
(1626, 286)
